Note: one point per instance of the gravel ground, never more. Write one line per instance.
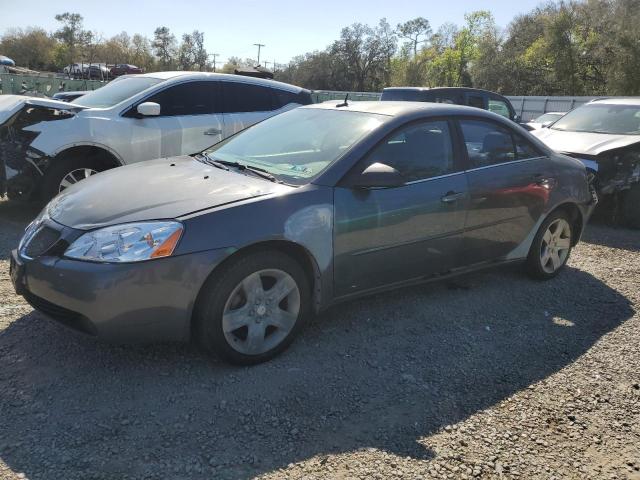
(491, 376)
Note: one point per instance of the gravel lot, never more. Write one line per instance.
(491, 376)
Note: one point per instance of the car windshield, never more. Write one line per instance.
(298, 145)
(548, 117)
(602, 118)
(116, 91)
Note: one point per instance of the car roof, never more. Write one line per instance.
(182, 75)
(402, 108)
(436, 89)
(617, 101)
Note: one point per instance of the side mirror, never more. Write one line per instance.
(516, 118)
(149, 109)
(378, 175)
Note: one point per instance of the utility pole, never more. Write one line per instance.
(214, 55)
(259, 45)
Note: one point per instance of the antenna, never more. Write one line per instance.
(344, 104)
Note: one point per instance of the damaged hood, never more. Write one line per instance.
(584, 143)
(158, 189)
(10, 104)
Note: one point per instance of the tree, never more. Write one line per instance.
(164, 44)
(33, 48)
(415, 31)
(70, 33)
(200, 56)
(186, 52)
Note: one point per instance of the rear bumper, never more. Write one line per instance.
(137, 302)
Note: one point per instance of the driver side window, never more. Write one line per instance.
(418, 151)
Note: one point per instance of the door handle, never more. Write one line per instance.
(452, 197)
(213, 131)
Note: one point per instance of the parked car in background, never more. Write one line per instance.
(472, 97)
(74, 70)
(96, 72)
(124, 69)
(6, 61)
(605, 135)
(543, 120)
(47, 145)
(68, 96)
(343, 201)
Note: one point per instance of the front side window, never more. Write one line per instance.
(602, 118)
(191, 98)
(499, 107)
(525, 149)
(418, 152)
(116, 91)
(296, 146)
(487, 143)
(245, 97)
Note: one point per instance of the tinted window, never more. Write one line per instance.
(245, 97)
(487, 143)
(401, 95)
(525, 149)
(282, 98)
(499, 107)
(192, 98)
(475, 101)
(418, 151)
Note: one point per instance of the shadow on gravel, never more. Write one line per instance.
(614, 237)
(383, 372)
(14, 217)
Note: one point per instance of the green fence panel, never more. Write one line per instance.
(47, 86)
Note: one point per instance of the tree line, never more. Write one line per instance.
(579, 47)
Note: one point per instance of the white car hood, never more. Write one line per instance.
(10, 104)
(584, 143)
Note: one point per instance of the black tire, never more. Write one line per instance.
(630, 208)
(60, 167)
(534, 264)
(212, 299)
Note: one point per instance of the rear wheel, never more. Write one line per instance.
(631, 207)
(251, 310)
(551, 246)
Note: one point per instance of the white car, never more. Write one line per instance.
(544, 120)
(47, 145)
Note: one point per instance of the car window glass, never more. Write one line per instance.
(245, 97)
(282, 98)
(418, 152)
(191, 98)
(525, 149)
(444, 99)
(487, 143)
(475, 101)
(499, 107)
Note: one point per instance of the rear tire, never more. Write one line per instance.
(66, 171)
(630, 211)
(252, 309)
(551, 246)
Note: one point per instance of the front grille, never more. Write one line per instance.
(67, 317)
(44, 238)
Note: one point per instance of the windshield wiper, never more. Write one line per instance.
(210, 161)
(261, 172)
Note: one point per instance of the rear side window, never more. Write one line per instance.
(418, 152)
(487, 143)
(245, 97)
(191, 98)
(475, 101)
(282, 98)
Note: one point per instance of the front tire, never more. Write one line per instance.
(65, 172)
(252, 309)
(551, 247)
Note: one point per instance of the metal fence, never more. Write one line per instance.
(530, 107)
(47, 86)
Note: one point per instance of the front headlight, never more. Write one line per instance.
(129, 242)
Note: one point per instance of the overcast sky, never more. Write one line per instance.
(287, 27)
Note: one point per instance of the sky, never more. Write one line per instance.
(286, 27)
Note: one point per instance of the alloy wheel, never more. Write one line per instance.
(555, 246)
(74, 176)
(261, 311)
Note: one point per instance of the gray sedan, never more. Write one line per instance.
(235, 247)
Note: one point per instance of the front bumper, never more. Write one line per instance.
(135, 302)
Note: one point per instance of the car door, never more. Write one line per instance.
(246, 104)
(190, 120)
(509, 182)
(388, 235)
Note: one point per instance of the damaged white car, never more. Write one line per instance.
(48, 145)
